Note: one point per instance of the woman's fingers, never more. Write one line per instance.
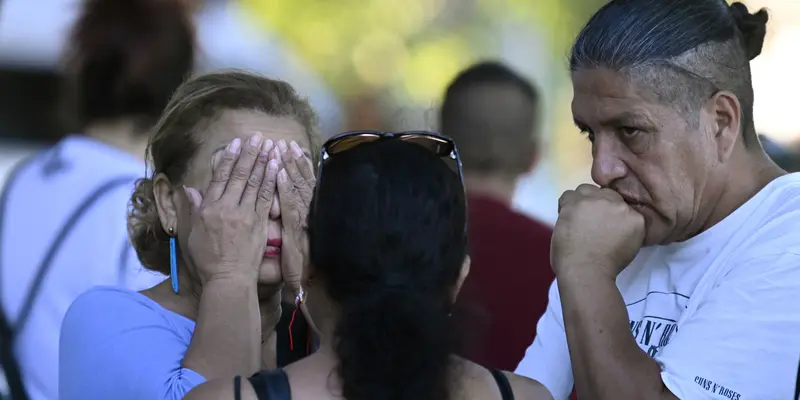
(221, 170)
(290, 165)
(305, 189)
(304, 164)
(292, 218)
(292, 161)
(276, 154)
(254, 182)
(292, 207)
(266, 193)
(242, 170)
(194, 196)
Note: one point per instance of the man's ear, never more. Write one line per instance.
(725, 122)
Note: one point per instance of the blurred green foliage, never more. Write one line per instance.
(411, 47)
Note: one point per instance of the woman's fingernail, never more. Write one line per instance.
(272, 166)
(282, 146)
(296, 151)
(190, 194)
(282, 176)
(256, 139)
(235, 146)
(276, 205)
(266, 147)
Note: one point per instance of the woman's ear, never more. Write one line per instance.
(462, 276)
(165, 202)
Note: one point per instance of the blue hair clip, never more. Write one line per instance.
(173, 263)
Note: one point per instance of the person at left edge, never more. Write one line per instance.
(62, 213)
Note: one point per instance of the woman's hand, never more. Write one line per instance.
(296, 184)
(229, 223)
(226, 246)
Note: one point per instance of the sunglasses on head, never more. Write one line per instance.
(442, 146)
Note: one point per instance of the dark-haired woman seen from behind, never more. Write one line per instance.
(387, 257)
(63, 210)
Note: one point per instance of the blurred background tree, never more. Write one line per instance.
(412, 48)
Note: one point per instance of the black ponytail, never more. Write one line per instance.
(387, 241)
(394, 345)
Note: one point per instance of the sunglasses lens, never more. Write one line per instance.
(348, 142)
(438, 146)
(441, 147)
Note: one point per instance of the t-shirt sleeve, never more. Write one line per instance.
(115, 345)
(742, 342)
(547, 359)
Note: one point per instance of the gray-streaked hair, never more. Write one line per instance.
(685, 50)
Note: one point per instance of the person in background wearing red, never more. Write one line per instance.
(491, 112)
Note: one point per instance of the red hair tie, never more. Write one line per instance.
(297, 302)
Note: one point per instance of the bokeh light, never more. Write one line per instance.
(380, 58)
(411, 47)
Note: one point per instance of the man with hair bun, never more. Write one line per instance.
(678, 272)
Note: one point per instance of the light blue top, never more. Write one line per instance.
(119, 344)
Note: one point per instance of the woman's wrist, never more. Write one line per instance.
(271, 312)
(230, 276)
(269, 359)
(229, 287)
(227, 335)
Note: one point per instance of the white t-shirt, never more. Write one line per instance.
(47, 190)
(720, 312)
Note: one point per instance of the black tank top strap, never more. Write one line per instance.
(270, 385)
(237, 388)
(503, 384)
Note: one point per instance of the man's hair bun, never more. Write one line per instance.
(752, 26)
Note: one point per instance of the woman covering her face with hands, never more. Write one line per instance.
(387, 257)
(220, 215)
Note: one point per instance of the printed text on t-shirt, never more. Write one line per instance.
(652, 333)
(716, 388)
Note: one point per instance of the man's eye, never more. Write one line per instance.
(629, 132)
